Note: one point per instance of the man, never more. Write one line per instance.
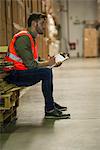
(27, 70)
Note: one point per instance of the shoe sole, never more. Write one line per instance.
(65, 109)
(58, 117)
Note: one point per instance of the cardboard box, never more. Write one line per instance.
(34, 5)
(39, 5)
(99, 42)
(18, 15)
(3, 40)
(28, 8)
(9, 21)
(90, 42)
(42, 47)
(21, 14)
(14, 15)
(3, 36)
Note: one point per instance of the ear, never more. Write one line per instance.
(33, 24)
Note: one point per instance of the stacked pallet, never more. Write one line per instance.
(9, 99)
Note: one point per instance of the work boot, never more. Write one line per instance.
(62, 108)
(56, 114)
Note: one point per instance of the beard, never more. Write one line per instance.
(39, 30)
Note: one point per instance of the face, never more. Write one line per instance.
(40, 26)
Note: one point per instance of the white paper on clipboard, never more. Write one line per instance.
(59, 58)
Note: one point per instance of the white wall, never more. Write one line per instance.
(78, 11)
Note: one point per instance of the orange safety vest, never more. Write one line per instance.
(12, 55)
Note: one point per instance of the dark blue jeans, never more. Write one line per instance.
(33, 76)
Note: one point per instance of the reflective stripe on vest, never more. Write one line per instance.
(14, 57)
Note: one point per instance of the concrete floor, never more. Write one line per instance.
(77, 85)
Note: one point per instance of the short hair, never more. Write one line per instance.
(35, 17)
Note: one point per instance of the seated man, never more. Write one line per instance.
(27, 70)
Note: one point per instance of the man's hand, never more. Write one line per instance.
(51, 61)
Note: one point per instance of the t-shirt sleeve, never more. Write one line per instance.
(23, 50)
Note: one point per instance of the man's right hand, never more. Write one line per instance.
(51, 61)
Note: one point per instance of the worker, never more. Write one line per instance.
(27, 70)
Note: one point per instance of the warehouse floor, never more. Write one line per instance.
(77, 85)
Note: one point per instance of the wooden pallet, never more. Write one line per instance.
(10, 99)
(4, 114)
(9, 95)
(7, 117)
